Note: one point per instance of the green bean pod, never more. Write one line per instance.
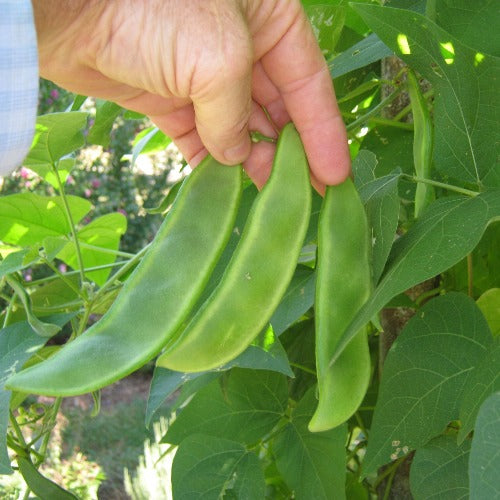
(343, 285)
(158, 295)
(423, 142)
(259, 271)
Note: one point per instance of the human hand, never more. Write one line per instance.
(203, 71)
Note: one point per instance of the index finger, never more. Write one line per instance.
(298, 69)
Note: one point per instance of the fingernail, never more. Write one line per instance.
(237, 154)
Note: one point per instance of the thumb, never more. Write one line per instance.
(222, 110)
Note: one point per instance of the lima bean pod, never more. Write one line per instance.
(343, 284)
(158, 295)
(259, 271)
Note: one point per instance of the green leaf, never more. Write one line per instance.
(327, 22)
(439, 470)
(56, 135)
(297, 300)
(381, 200)
(13, 262)
(484, 462)
(206, 467)
(442, 236)
(466, 20)
(149, 140)
(466, 105)
(488, 303)
(484, 380)
(28, 218)
(46, 171)
(424, 376)
(312, 463)
(18, 343)
(369, 50)
(245, 410)
(102, 233)
(40, 485)
(264, 353)
(106, 113)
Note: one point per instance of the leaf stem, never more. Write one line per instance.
(384, 121)
(71, 223)
(106, 250)
(449, 187)
(303, 368)
(376, 109)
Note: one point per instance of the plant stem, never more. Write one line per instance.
(55, 410)
(384, 121)
(303, 368)
(381, 105)
(62, 276)
(71, 223)
(72, 273)
(407, 109)
(106, 250)
(129, 265)
(449, 187)
(17, 430)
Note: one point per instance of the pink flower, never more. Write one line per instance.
(25, 173)
(54, 93)
(123, 212)
(70, 179)
(95, 183)
(62, 267)
(87, 193)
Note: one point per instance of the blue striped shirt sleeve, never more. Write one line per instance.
(18, 82)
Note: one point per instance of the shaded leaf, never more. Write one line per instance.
(245, 410)
(28, 218)
(466, 105)
(312, 464)
(106, 113)
(206, 467)
(297, 300)
(439, 470)
(149, 140)
(424, 375)
(367, 51)
(18, 343)
(489, 305)
(484, 462)
(484, 380)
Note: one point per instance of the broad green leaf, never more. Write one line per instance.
(443, 235)
(56, 293)
(206, 467)
(424, 376)
(56, 135)
(244, 410)
(489, 305)
(28, 218)
(467, 20)
(327, 21)
(102, 233)
(149, 140)
(106, 113)
(265, 353)
(13, 262)
(18, 343)
(484, 380)
(439, 470)
(381, 200)
(297, 300)
(466, 105)
(312, 463)
(484, 462)
(46, 171)
(39, 484)
(369, 50)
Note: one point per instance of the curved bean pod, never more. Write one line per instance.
(343, 285)
(156, 298)
(259, 271)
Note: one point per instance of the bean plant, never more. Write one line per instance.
(379, 357)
